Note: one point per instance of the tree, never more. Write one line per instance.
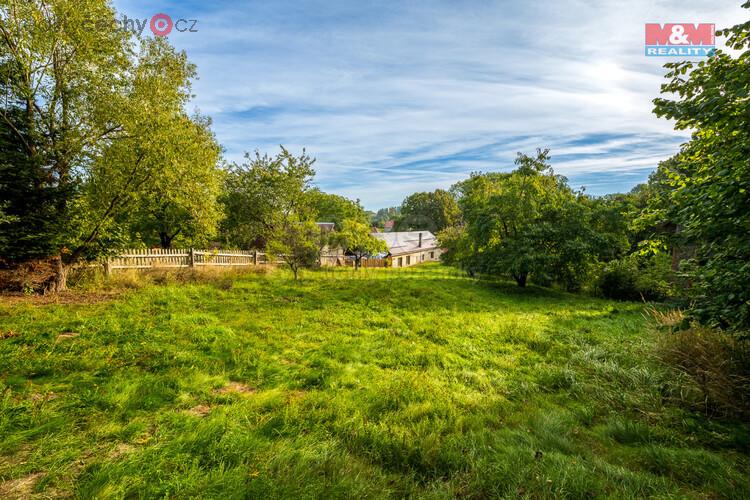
(60, 81)
(708, 181)
(268, 205)
(100, 121)
(525, 223)
(384, 215)
(30, 227)
(356, 238)
(296, 243)
(431, 211)
(188, 209)
(459, 249)
(328, 207)
(263, 193)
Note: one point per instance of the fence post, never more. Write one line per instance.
(191, 257)
(255, 257)
(107, 267)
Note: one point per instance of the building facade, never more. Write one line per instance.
(409, 248)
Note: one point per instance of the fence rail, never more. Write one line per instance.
(368, 263)
(158, 258)
(178, 258)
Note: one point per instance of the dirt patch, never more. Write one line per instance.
(67, 335)
(8, 335)
(295, 395)
(199, 411)
(43, 398)
(236, 388)
(23, 487)
(121, 450)
(34, 276)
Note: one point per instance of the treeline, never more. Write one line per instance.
(98, 151)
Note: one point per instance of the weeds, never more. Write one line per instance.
(712, 367)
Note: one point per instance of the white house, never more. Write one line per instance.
(408, 248)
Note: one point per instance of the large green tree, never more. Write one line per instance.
(526, 223)
(265, 193)
(184, 205)
(431, 211)
(707, 184)
(334, 208)
(102, 120)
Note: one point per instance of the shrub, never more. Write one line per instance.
(637, 278)
(33, 276)
(712, 366)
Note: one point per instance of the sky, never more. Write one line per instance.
(394, 97)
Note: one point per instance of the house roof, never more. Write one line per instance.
(400, 243)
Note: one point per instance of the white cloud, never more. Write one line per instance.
(370, 87)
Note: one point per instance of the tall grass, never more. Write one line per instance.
(431, 385)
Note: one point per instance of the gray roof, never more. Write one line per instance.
(404, 242)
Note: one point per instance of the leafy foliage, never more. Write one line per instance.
(356, 238)
(259, 194)
(707, 185)
(383, 215)
(297, 243)
(431, 211)
(105, 125)
(334, 208)
(529, 223)
(637, 277)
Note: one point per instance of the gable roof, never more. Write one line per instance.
(404, 242)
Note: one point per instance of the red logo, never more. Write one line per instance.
(161, 25)
(677, 34)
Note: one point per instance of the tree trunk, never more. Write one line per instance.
(357, 263)
(520, 279)
(165, 240)
(60, 283)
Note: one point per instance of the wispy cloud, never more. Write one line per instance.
(394, 97)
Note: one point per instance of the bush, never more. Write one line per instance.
(33, 276)
(637, 278)
(712, 367)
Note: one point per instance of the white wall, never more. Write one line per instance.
(416, 258)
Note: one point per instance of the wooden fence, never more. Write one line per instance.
(376, 263)
(154, 258)
(178, 258)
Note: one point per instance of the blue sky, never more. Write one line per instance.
(393, 97)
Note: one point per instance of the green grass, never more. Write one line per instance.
(426, 385)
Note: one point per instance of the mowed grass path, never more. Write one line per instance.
(421, 386)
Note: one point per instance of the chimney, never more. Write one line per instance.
(420, 241)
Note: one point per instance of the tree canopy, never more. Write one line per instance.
(528, 223)
(431, 211)
(100, 126)
(705, 188)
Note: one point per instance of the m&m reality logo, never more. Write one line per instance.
(680, 39)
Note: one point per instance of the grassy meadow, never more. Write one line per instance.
(413, 384)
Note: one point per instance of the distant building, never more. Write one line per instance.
(408, 248)
(330, 256)
(389, 225)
